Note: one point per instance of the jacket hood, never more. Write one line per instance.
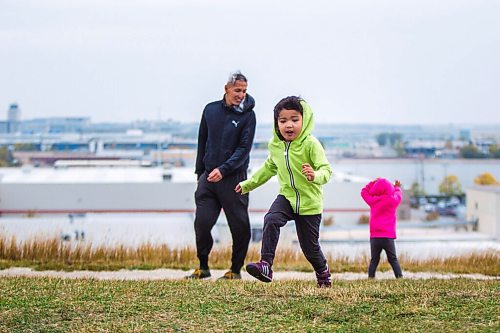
(381, 187)
(307, 124)
(248, 103)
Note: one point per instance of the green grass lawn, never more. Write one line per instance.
(64, 305)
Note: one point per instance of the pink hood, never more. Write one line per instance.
(383, 198)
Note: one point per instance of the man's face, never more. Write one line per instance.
(236, 92)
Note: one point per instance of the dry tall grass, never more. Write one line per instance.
(56, 254)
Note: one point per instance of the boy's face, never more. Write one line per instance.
(289, 124)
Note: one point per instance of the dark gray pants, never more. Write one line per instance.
(307, 227)
(387, 244)
(210, 198)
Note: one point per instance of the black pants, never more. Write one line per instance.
(387, 244)
(307, 231)
(210, 198)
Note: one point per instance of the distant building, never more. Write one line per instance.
(56, 125)
(465, 135)
(4, 127)
(483, 204)
(13, 118)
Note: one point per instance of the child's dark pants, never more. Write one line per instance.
(307, 231)
(387, 244)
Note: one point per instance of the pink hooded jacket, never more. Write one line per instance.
(383, 198)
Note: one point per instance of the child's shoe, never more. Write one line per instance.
(324, 278)
(260, 270)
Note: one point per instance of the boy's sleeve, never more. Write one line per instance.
(320, 164)
(265, 172)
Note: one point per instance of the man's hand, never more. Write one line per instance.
(214, 176)
(308, 171)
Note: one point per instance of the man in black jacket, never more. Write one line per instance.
(225, 139)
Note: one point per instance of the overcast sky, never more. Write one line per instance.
(384, 62)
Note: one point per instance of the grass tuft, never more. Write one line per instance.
(54, 254)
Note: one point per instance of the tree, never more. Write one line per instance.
(495, 151)
(486, 179)
(24, 147)
(471, 151)
(6, 158)
(416, 190)
(399, 147)
(386, 139)
(450, 186)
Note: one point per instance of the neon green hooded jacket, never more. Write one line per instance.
(285, 160)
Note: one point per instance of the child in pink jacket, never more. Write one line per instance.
(383, 198)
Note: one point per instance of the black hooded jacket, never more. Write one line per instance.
(225, 137)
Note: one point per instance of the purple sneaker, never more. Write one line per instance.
(260, 270)
(324, 278)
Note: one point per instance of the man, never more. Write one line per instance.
(225, 139)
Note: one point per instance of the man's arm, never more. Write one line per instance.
(241, 152)
(202, 141)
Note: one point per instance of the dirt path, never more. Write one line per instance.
(173, 274)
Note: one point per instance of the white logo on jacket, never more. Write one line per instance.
(235, 123)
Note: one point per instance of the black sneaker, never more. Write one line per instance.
(260, 270)
(199, 274)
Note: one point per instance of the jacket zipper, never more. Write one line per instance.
(292, 182)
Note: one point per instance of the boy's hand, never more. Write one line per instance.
(238, 188)
(397, 183)
(308, 171)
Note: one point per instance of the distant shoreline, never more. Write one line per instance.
(407, 160)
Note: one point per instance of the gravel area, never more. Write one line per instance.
(173, 274)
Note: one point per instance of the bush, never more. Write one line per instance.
(364, 219)
(432, 216)
(328, 221)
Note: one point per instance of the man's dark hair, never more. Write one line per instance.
(289, 103)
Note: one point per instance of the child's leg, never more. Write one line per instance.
(390, 250)
(308, 233)
(279, 214)
(376, 245)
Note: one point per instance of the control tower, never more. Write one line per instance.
(13, 118)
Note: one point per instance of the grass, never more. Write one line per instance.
(45, 254)
(67, 305)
